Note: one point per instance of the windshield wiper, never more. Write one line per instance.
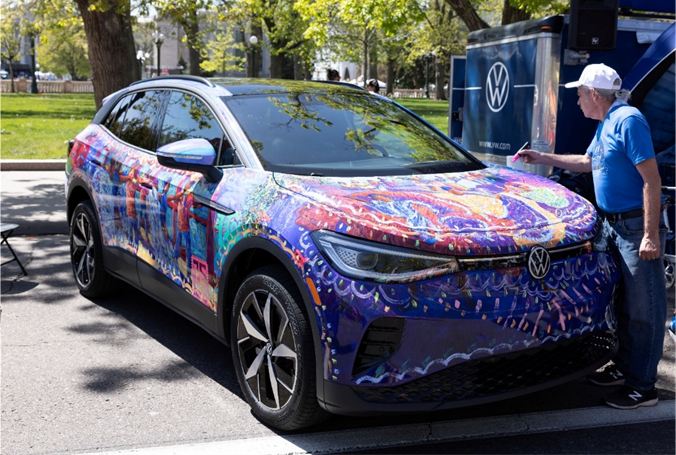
(437, 165)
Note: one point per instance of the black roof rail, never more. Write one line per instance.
(183, 77)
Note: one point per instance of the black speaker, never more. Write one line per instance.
(593, 25)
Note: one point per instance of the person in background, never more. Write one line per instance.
(372, 86)
(628, 192)
(332, 75)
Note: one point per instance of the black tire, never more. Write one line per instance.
(271, 338)
(86, 253)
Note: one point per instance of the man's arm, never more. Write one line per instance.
(575, 163)
(652, 190)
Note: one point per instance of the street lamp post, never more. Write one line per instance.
(34, 82)
(253, 70)
(142, 57)
(427, 75)
(159, 39)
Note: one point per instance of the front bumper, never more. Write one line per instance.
(478, 381)
(461, 317)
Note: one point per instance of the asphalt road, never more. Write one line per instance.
(126, 375)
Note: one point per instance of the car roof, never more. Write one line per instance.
(247, 86)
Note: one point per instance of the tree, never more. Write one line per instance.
(512, 10)
(110, 40)
(220, 53)
(112, 54)
(282, 26)
(10, 28)
(439, 36)
(63, 50)
(361, 19)
(188, 14)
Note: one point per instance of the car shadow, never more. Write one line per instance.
(192, 344)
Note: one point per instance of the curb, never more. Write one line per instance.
(33, 165)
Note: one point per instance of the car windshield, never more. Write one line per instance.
(336, 133)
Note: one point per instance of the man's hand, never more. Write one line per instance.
(529, 156)
(649, 249)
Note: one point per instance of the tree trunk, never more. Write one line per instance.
(365, 63)
(307, 70)
(439, 70)
(11, 75)
(110, 48)
(373, 62)
(511, 14)
(276, 66)
(297, 68)
(390, 74)
(192, 32)
(466, 12)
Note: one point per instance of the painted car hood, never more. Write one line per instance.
(486, 212)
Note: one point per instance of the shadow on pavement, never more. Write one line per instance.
(188, 341)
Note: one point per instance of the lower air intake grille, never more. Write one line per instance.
(499, 374)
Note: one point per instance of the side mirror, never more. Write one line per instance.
(191, 155)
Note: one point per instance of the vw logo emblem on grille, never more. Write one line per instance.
(538, 262)
(497, 87)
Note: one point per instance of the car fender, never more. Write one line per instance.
(244, 247)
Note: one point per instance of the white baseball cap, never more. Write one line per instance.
(600, 76)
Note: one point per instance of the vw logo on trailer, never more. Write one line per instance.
(538, 262)
(497, 87)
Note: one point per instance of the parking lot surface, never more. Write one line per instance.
(126, 373)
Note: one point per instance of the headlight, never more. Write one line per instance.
(362, 259)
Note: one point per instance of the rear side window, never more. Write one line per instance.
(137, 128)
(188, 117)
(116, 116)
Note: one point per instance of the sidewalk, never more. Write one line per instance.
(33, 165)
(35, 200)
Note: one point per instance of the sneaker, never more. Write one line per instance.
(672, 327)
(629, 398)
(608, 377)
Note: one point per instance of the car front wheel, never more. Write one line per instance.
(273, 352)
(86, 253)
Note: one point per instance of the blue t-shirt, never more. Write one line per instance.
(621, 142)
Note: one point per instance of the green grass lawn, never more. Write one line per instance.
(40, 126)
(435, 112)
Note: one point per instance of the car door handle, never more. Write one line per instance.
(97, 162)
(147, 185)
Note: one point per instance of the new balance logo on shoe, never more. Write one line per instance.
(635, 396)
(628, 398)
(610, 376)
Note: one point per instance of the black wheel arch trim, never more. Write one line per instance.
(77, 183)
(243, 247)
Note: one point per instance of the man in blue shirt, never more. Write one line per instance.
(627, 186)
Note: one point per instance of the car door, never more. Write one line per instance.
(183, 223)
(127, 160)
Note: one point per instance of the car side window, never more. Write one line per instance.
(188, 117)
(137, 128)
(116, 116)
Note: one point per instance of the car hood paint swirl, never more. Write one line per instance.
(486, 212)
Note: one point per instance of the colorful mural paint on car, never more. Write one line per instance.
(492, 211)
(151, 212)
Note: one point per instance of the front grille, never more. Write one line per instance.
(501, 374)
(519, 259)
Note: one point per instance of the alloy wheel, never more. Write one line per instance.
(82, 250)
(669, 273)
(267, 350)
